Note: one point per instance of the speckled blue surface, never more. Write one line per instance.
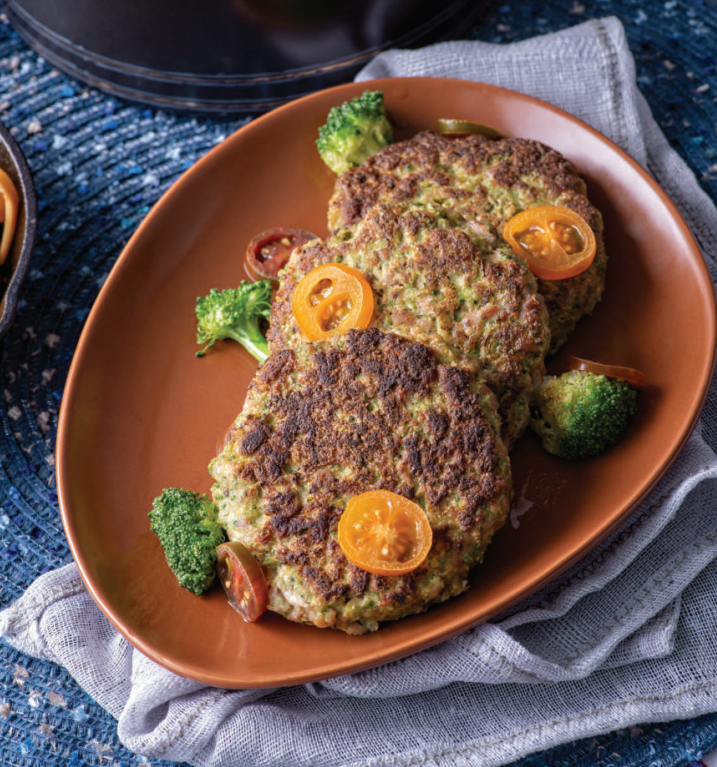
(99, 165)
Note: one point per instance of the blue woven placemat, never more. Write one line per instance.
(99, 165)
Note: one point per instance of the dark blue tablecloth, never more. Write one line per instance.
(99, 165)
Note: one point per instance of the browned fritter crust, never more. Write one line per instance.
(399, 171)
(326, 422)
(475, 305)
(484, 181)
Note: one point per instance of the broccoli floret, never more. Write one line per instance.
(235, 313)
(354, 131)
(187, 527)
(580, 414)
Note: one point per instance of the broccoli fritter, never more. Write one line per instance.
(354, 131)
(581, 415)
(327, 421)
(186, 524)
(472, 301)
(481, 183)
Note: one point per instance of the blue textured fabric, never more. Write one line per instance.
(99, 165)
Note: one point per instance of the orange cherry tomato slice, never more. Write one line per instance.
(633, 377)
(243, 580)
(267, 254)
(556, 242)
(8, 213)
(331, 299)
(384, 533)
(460, 128)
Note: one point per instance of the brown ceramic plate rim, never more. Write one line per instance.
(345, 654)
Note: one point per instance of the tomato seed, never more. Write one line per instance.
(321, 291)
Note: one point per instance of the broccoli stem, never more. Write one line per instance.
(254, 342)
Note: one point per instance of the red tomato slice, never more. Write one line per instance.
(243, 580)
(633, 377)
(268, 252)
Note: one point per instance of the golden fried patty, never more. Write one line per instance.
(324, 422)
(484, 181)
(467, 298)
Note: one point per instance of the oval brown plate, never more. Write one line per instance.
(141, 412)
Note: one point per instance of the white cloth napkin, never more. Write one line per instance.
(626, 636)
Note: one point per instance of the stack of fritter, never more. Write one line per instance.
(426, 402)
